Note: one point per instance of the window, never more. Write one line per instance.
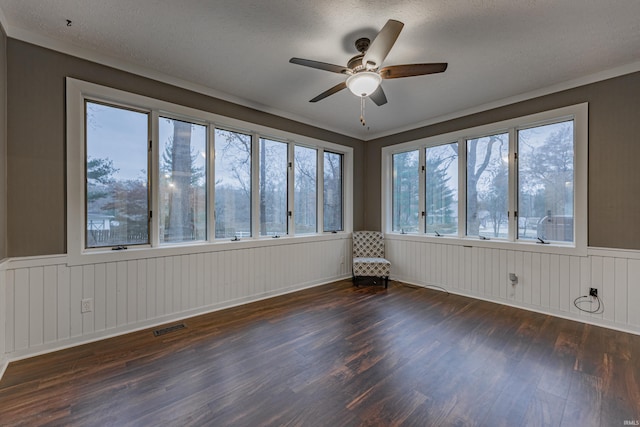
(523, 181)
(545, 182)
(144, 173)
(233, 184)
(332, 194)
(441, 189)
(183, 181)
(117, 197)
(306, 190)
(487, 186)
(273, 187)
(406, 182)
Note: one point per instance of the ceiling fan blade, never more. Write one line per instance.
(335, 89)
(382, 44)
(397, 71)
(378, 96)
(319, 65)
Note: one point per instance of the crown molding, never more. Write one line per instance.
(559, 87)
(110, 61)
(113, 62)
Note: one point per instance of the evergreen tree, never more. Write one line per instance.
(99, 177)
(439, 196)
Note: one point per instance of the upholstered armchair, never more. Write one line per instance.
(368, 256)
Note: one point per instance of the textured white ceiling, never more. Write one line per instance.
(496, 49)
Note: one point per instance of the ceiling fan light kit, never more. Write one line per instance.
(363, 83)
(363, 70)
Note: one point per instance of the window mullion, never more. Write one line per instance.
(462, 187)
(513, 186)
(255, 186)
(211, 186)
(154, 179)
(422, 216)
(290, 189)
(320, 192)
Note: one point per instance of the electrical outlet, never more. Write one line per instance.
(593, 292)
(87, 305)
(513, 278)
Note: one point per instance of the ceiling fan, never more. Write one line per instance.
(363, 70)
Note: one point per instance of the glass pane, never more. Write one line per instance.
(183, 181)
(273, 188)
(487, 186)
(406, 179)
(332, 209)
(233, 184)
(442, 189)
(305, 196)
(545, 182)
(116, 176)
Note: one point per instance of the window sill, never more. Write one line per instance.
(135, 253)
(474, 242)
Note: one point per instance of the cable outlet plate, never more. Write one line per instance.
(87, 305)
(593, 292)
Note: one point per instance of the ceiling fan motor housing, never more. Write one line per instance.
(355, 63)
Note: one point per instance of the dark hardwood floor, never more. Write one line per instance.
(337, 355)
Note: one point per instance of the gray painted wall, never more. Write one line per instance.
(614, 155)
(36, 138)
(36, 146)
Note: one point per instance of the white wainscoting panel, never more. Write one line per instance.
(547, 282)
(40, 308)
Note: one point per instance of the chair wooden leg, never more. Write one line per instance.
(386, 282)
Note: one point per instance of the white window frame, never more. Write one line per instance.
(578, 113)
(347, 224)
(77, 91)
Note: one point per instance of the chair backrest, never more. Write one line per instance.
(368, 244)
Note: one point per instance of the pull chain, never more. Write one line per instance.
(362, 111)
